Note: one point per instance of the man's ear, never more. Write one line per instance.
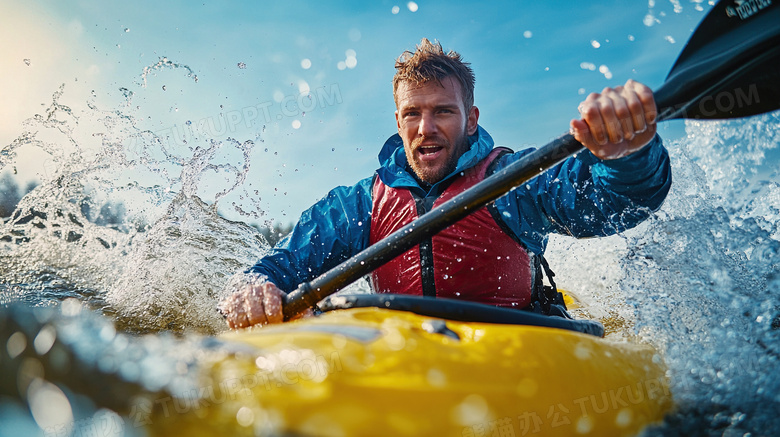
(472, 120)
(397, 121)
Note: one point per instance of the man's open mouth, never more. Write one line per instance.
(429, 150)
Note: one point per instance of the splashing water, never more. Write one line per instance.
(164, 266)
(700, 280)
(711, 298)
(165, 63)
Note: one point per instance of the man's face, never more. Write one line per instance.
(434, 126)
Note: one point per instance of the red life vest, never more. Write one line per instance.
(475, 259)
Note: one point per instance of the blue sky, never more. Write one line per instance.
(310, 82)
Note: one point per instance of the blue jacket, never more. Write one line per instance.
(582, 197)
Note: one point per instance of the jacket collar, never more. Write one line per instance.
(395, 170)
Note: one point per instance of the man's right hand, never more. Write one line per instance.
(254, 304)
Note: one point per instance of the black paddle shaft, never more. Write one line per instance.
(732, 55)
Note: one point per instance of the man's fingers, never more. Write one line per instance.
(618, 121)
(238, 311)
(239, 319)
(637, 113)
(629, 111)
(255, 304)
(255, 310)
(590, 111)
(610, 119)
(620, 113)
(581, 132)
(272, 301)
(646, 98)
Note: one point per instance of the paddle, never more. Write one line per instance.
(726, 70)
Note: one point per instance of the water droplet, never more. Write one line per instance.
(584, 425)
(471, 410)
(241, 65)
(395, 10)
(245, 417)
(27, 62)
(163, 88)
(44, 340)
(436, 378)
(603, 69)
(49, 405)
(412, 6)
(354, 35)
(16, 344)
(624, 418)
(528, 34)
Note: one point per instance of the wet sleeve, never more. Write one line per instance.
(331, 231)
(585, 196)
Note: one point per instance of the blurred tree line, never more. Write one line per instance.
(109, 214)
(274, 233)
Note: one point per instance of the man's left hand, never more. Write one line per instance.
(618, 121)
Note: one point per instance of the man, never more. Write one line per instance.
(494, 255)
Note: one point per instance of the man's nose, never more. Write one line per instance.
(427, 126)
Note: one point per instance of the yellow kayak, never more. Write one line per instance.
(368, 371)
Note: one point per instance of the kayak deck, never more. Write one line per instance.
(372, 371)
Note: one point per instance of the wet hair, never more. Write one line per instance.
(429, 62)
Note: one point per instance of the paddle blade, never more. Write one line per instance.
(729, 67)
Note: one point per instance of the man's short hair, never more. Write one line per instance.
(429, 62)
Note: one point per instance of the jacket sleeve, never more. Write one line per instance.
(585, 196)
(331, 231)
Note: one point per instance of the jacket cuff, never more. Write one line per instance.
(633, 169)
